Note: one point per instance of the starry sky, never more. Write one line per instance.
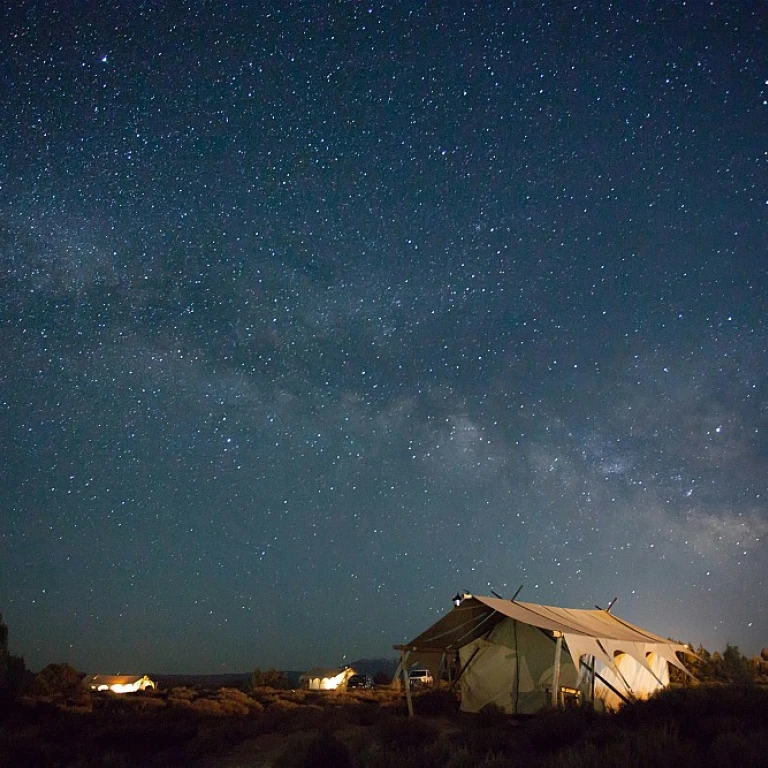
(314, 313)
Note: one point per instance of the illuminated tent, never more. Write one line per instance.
(119, 683)
(522, 657)
(324, 679)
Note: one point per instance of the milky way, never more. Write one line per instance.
(311, 317)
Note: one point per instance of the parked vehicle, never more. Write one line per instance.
(360, 681)
(420, 677)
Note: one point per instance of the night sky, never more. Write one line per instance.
(314, 313)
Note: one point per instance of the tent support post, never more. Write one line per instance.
(556, 671)
(407, 680)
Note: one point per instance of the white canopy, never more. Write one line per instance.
(591, 632)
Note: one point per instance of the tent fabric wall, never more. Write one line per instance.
(512, 669)
(631, 679)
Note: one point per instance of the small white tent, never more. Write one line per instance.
(522, 657)
(326, 679)
(119, 683)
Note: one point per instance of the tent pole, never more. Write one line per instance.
(556, 671)
(407, 681)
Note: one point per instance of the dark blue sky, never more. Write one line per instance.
(313, 313)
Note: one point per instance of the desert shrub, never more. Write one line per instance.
(442, 753)
(325, 751)
(142, 735)
(699, 712)
(436, 702)
(232, 701)
(487, 735)
(57, 679)
(551, 730)
(13, 680)
(491, 716)
(438, 754)
(180, 705)
(735, 667)
(216, 736)
(126, 704)
(30, 751)
(12, 673)
(182, 693)
(616, 742)
(404, 734)
(234, 694)
(208, 707)
(583, 756)
(144, 703)
(271, 678)
(365, 715)
(747, 750)
(376, 756)
(314, 750)
(278, 702)
(382, 678)
(660, 747)
(229, 707)
(498, 761)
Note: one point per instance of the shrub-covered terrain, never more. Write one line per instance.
(711, 725)
(51, 719)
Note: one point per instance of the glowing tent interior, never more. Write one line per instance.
(119, 683)
(522, 657)
(326, 679)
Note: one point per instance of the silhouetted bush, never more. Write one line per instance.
(491, 716)
(551, 730)
(314, 750)
(271, 678)
(402, 734)
(746, 750)
(435, 702)
(490, 732)
(700, 711)
(57, 679)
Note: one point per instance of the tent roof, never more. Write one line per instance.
(113, 679)
(477, 615)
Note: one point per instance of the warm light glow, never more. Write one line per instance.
(332, 683)
(128, 688)
(137, 685)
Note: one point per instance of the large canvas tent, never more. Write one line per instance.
(522, 657)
